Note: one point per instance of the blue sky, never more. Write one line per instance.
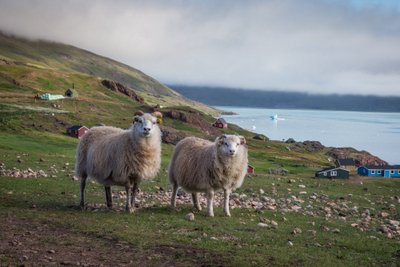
(315, 46)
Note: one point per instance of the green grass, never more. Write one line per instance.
(237, 240)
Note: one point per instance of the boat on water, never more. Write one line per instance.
(274, 117)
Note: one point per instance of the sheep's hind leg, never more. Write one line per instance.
(173, 196)
(196, 202)
(210, 203)
(83, 185)
(108, 196)
(227, 192)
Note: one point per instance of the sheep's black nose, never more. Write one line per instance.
(146, 130)
(232, 151)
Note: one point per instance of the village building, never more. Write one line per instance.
(333, 173)
(386, 171)
(77, 131)
(71, 93)
(48, 96)
(220, 123)
(347, 163)
(250, 169)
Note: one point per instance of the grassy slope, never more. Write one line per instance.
(239, 241)
(53, 67)
(33, 132)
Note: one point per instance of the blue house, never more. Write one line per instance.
(387, 171)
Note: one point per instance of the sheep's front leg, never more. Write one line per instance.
(134, 192)
(227, 192)
(83, 186)
(196, 203)
(108, 196)
(173, 196)
(210, 203)
(128, 206)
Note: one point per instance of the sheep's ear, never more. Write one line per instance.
(220, 139)
(242, 140)
(157, 114)
(139, 113)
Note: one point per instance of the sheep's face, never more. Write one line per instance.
(230, 144)
(144, 125)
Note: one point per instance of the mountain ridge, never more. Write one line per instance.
(288, 100)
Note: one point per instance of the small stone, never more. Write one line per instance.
(335, 231)
(290, 243)
(262, 224)
(393, 222)
(274, 223)
(313, 232)
(384, 214)
(213, 238)
(354, 225)
(297, 231)
(51, 251)
(261, 191)
(302, 186)
(189, 216)
(303, 193)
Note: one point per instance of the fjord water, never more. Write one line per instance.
(375, 132)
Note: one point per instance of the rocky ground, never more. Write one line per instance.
(307, 203)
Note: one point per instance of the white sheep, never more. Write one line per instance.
(199, 165)
(113, 156)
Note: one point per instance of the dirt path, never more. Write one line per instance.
(25, 242)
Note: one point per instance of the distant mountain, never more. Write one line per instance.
(216, 96)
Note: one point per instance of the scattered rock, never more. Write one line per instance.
(189, 216)
(262, 224)
(296, 231)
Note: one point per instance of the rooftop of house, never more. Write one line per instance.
(222, 120)
(346, 162)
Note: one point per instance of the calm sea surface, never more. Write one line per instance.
(375, 132)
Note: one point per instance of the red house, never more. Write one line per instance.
(250, 169)
(220, 123)
(77, 131)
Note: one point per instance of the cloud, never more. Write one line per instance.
(312, 46)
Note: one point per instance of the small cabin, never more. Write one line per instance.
(333, 173)
(347, 163)
(387, 171)
(250, 169)
(77, 131)
(71, 93)
(220, 123)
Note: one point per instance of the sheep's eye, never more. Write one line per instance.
(237, 144)
(226, 144)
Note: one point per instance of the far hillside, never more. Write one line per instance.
(217, 96)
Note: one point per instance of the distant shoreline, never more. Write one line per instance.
(215, 96)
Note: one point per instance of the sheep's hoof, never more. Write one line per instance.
(198, 208)
(211, 215)
(130, 210)
(227, 214)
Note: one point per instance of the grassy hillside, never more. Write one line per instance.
(277, 219)
(35, 67)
